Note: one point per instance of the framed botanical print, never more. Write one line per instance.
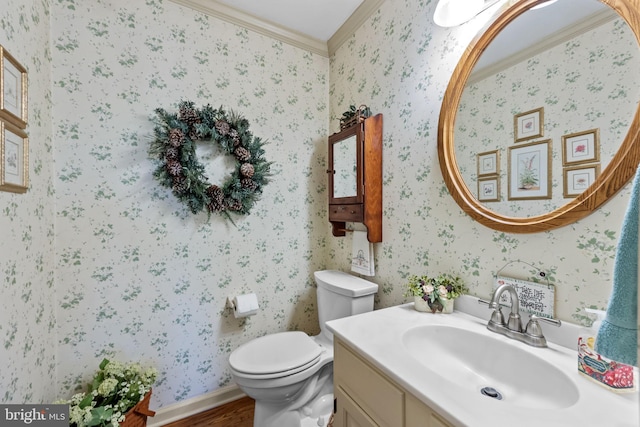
(489, 163)
(530, 171)
(13, 90)
(578, 178)
(581, 147)
(528, 125)
(489, 189)
(14, 159)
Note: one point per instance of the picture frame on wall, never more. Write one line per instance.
(530, 171)
(489, 163)
(528, 125)
(578, 178)
(13, 90)
(581, 147)
(489, 189)
(14, 158)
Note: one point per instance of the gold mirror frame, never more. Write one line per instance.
(619, 171)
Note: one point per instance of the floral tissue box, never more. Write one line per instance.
(615, 376)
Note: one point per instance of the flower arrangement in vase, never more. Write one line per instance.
(116, 388)
(435, 293)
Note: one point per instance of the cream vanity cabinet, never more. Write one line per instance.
(365, 397)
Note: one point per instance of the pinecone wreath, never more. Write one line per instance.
(174, 149)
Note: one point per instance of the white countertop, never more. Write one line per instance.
(378, 337)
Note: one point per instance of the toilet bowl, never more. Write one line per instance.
(290, 374)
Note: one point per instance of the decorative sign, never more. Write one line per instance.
(535, 298)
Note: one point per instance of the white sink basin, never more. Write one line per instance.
(475, 361)
(445, 360)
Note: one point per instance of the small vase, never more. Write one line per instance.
(448, 305)
(421, 305)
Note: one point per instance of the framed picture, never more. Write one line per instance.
(581, 147)
(577, 179)
(530, 171)
(14, 159)
(528, 125)
(13, 90)
(489, 163)
(489, 189)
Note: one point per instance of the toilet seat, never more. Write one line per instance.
(275, 355)
(278, 374)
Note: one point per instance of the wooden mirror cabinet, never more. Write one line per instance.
(355, 177)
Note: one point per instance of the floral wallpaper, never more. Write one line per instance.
(399, 64)
(139, 276)
(111, 265)
(27, 263)
(585, 83)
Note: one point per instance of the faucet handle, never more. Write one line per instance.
(497, 318)
(554, 322)
(489, 304)
(533, 331)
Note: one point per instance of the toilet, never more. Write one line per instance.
(290, 374)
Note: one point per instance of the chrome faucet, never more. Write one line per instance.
(497, 319)
(512, 328)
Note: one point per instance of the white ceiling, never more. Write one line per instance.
(315, 25)
(319, 19)
(535, 26)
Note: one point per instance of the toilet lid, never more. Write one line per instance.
(275, 353)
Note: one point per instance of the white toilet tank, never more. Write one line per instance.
(340, 295)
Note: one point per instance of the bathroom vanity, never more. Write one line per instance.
(398, 367)
(367, 398)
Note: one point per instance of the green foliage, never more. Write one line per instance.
(434, 289)
(189, 183)
(348, 115)
(114, 390)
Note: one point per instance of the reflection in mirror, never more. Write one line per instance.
(616, 171)
(581, 78)
(345, 168)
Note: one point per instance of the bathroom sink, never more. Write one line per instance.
(446, 360)
(497, 369)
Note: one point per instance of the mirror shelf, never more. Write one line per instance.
(355, 178)
(613, 177)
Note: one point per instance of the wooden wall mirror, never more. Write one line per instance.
(355, 177)
(345, 154)
(462, 145)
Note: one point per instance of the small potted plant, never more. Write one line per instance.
(435, 294)
(117, 396)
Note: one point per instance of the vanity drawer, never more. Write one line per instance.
(378, 397)
(348, 213)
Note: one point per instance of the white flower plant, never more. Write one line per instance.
(116, 388)
(434, 289)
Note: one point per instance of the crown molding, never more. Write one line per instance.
(562, 36)
(261, 26)
(357, 18)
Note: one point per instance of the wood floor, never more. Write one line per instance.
(238, 413)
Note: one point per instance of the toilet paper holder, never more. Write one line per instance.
(243, 305)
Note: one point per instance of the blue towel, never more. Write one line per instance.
(618, 334)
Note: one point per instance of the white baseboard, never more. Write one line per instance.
(185, 408)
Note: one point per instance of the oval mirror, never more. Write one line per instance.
(544, 137)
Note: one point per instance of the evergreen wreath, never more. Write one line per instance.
(174, 147)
